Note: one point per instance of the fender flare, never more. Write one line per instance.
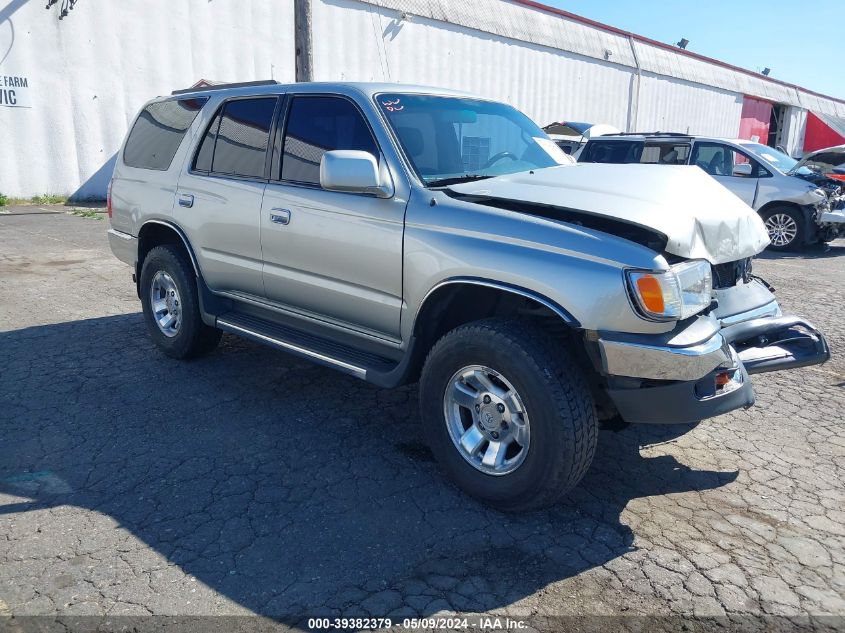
(506, 287)
(177, 229)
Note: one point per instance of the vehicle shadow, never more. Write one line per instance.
(286, 487)
(816, 251)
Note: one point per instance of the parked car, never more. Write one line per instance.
(571, 136)
(399, 234)
(796, 212)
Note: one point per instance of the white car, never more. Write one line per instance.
(572, 136)
(796, 211)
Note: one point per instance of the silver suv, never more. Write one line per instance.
(796, 210)
(398, 234)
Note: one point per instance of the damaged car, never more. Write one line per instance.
(402, 234)
(797, 211)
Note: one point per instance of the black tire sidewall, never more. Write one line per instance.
(171, 261)
(553, 436)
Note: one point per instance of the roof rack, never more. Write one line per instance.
(242, 84)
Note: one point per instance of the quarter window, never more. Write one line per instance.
(315, 126)
(159, 131)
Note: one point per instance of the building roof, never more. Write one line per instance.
(536, 23)
(675, 49)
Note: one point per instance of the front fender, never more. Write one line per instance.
(579, 270)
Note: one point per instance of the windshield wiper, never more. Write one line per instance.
(454, 180)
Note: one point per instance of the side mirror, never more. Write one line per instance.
(743, 169)
(353, 171)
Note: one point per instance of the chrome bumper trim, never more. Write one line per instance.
(664, 363)
(771, 309)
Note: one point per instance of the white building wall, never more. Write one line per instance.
(667, 104)
(356, 41)
(89, 73)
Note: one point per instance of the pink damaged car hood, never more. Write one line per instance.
(700, 218)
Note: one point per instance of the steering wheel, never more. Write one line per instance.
(497, 157)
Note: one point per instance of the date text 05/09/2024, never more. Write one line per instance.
(487, 623)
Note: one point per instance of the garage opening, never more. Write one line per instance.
(776, 126)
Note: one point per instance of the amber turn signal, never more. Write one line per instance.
(651, 293)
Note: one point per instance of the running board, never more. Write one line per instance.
(364, 365)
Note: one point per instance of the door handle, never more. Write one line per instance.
(280, 216)
(186, 200)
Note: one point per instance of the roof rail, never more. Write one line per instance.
(684, 134)
(242, 84)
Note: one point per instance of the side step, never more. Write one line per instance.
(347, 359)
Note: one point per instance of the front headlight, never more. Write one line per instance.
(675, 294)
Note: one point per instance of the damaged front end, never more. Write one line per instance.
(702, 368)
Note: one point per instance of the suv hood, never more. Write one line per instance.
(700, 218)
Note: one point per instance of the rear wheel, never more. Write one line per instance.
(786, 228)
(508, 416)
(171, 305)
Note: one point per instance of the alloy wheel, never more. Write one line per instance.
(782, 229)
(487, 420)
(165, 304)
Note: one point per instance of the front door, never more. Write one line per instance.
(329, 254)
(734, 169)
(219, 196)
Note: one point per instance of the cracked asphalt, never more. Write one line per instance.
(249, 482)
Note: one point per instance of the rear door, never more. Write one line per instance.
(721, 161)
(219, 195)
(326, 253)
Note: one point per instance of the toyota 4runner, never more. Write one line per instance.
(398, 234)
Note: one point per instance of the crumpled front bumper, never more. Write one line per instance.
(688, 383)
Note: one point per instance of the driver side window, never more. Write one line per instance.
(721, 160)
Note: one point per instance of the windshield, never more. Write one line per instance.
(453, 139)
(775, 157)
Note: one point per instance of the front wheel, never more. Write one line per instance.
(508, 416)
(785, 227)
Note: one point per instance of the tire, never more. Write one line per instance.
(555, 399)
(188, 337)
(786, 227)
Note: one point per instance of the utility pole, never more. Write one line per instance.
(302, 40)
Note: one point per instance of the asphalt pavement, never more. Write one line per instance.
(249, 482)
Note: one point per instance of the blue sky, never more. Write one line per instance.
(800, 41)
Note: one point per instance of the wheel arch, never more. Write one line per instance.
(158, 232)
(459, 300)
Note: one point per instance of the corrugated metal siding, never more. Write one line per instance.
(519, 22)
(547, 84)
(668, 104)
(90, 73)
(532, 25)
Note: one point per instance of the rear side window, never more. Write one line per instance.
(235, 143)
(665, 153)
(317, 125)
(159, 131)
(612, 152)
